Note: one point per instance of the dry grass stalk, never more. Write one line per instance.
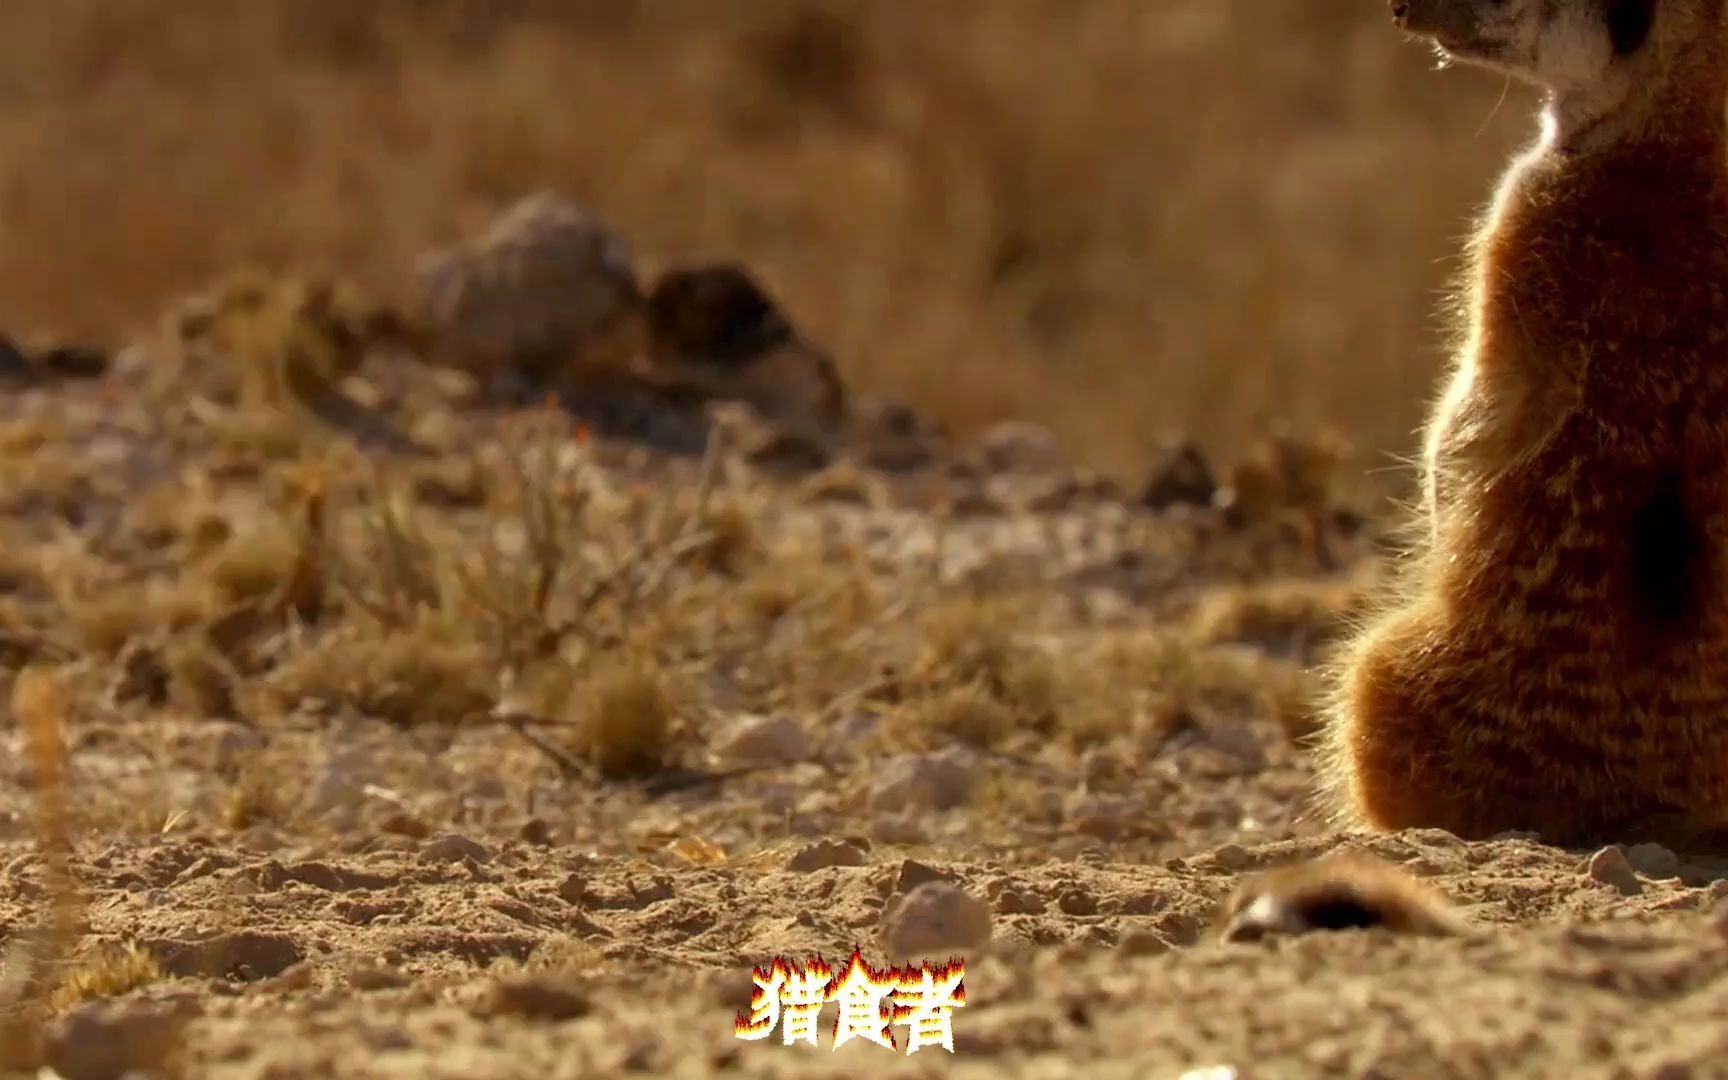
(41, 707)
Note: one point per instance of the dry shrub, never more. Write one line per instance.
(981, 642)
(965, 714)
(622, 714)
(1295, 619)
(1159, 681)
(731, 538)
(432, 672)
(201, 681)
(255, 796)
(256, 563)
(104, 972)
(104, 620)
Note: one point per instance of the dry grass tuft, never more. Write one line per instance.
(1297, 619)
(201, 681)
(106, 972)
(104, 620)
(967, 714)
(256, 563)
(254, 797)
(980, 642)
(731, 538)
(43, 710)
(432, 672)
(270, 343)
(623, 714)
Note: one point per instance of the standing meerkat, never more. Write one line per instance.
(1558, 661)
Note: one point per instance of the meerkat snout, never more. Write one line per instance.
(1561, 46)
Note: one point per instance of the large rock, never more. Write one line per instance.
(714, 325)
(547, 289)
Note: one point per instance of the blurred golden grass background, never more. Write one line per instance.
(1119, 217)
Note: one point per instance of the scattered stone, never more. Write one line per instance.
(454, 847)
(1105, 817)
(294, 978)
(1180, 478)
(536, 831)
(1231, 857)
(1015, 902)
(105, 1040)
(760, 740)
(1611, 867)
(934, 921)
(787, 452)
(1142, 943)
(974, 500)
(823, 854)
(143, 675)
(1066, 492)
(913, 874)
(546, 285)
(73, 362)
(377, 976)
(1718, 911)
(1653, 861)
(236, 744)
(338, 785)
(402, 823)
(715, 325)
(903, 829)
(1075, 902)
(714, 314)
(260, 840)
(246, 956)
(539, 997)
(1018, 446)
(900, 455)
(15, 367)
(940, 781)
(574, 889)
(455, 486)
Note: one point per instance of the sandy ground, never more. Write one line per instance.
(1051, 733)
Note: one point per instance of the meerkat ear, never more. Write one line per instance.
(1629, 24)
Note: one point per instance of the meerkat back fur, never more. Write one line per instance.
(1557, 660)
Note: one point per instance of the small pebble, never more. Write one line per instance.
(760, 740)
(1142, 943)
(1231, 857)
(934, 921)
(371, 976)
(542, 997)
(1611, 867)
(1653, 861)
(914, 873)
(941, 781)
(454, 847)
(823, 854)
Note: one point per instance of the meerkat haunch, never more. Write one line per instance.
(1558, 662)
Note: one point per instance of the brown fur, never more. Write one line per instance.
(1559, 662)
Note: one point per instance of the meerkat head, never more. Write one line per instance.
(1591, 55)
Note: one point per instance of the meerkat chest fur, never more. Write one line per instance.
(1585, 428)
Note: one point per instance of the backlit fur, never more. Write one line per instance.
(1558, 658)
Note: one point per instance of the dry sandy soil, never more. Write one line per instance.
(311, 771)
